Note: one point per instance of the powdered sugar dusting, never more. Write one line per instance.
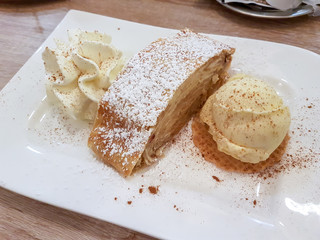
(152, 76)
(130, 108)
(119, 135)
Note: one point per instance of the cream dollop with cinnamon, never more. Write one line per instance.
(80, 71)
(246, 118)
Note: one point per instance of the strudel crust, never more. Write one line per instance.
(159, 90)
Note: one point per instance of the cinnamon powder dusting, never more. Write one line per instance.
(216, 178)
(177, 209)
(153, 189)
(303, 155)
(254, 203)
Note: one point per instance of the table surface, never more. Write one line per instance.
(26, 24)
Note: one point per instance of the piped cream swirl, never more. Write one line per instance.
(80, 71)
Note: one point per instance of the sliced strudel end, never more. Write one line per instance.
(155, 96)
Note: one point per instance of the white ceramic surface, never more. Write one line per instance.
(44, 154)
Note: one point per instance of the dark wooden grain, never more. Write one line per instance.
(24, 25)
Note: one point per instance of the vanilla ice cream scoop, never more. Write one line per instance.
(80, 71)
(246, 118)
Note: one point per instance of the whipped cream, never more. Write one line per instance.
(80, 71)
(246, 118)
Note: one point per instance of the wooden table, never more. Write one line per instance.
(25, 26)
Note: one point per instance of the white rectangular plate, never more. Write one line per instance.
(44, 154)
